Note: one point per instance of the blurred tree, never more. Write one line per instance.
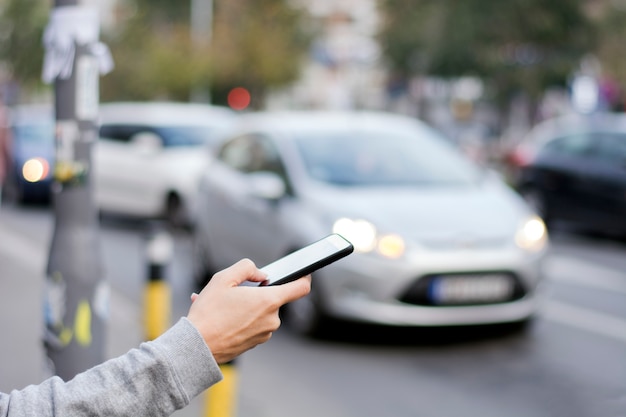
(152, 61)
(257, 45)
(514, 46)
(22, 23)
(253, 44)
(164, 11)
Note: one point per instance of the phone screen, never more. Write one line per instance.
(308, 259)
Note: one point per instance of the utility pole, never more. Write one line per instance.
(201, 29)
(76, 294)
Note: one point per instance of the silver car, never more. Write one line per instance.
(438, 241)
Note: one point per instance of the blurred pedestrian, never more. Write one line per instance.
(4, 145)
(161, 376)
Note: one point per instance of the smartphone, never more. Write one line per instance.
(307, 260)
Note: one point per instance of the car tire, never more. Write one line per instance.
(306, 316)
(175, 213)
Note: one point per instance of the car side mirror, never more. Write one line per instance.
(266, 185)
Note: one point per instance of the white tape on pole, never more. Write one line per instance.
(70, 26)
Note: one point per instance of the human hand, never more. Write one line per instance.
(232, 318)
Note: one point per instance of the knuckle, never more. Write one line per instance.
(247, 263)
(276, 324)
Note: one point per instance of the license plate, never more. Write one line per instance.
(465, 289)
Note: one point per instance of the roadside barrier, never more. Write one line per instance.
(157, 296)
(221, 399)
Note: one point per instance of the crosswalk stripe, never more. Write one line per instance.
(570, 270)
(585, 319)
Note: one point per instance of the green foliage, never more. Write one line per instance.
(166, 11)
(255, 44)
(517, 44)
(22, 23)
(154, 64)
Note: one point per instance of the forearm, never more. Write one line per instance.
(154, 380)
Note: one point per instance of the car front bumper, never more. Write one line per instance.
(364, 289)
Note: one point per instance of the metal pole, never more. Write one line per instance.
(76, 295)
(201, 21)
(201, 28)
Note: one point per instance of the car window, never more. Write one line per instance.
(252, 153)
(172, 136)
(121, 133)
(175, 136)
(34, 133)
(581, 144)
(354, 158)
(612, 149)
(235, 153)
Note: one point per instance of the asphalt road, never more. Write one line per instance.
(570, 362)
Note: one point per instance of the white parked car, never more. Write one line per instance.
(150, 157)
(438, 241)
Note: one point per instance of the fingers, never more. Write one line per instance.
(293, 290)
(234, 318)
(244, 270)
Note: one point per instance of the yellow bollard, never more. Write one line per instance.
(157, 296)
(221, 399)
(157, 308)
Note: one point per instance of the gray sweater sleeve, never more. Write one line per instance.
(155, 379)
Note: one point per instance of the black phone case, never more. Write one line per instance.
(315, 266)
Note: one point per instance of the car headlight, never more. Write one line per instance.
(532, 235)
(365, 238)
(35, 169)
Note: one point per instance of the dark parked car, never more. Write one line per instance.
(32, 153)
(575, 171)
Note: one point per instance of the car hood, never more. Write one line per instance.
(435, 217)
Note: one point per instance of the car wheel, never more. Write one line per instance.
(175, 212)
(305, 316)
(203, 270)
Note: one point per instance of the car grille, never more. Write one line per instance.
(458, 289)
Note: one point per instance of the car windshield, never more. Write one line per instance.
(187, 135)
(383, 159)
(34, 133)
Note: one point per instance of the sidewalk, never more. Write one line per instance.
(22, 276)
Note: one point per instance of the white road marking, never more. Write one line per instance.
(570, 270)
(20, 248)
(585, 319)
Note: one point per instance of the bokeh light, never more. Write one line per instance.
(239, 98)
(35, 169)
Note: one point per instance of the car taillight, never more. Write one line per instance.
(520, 157)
